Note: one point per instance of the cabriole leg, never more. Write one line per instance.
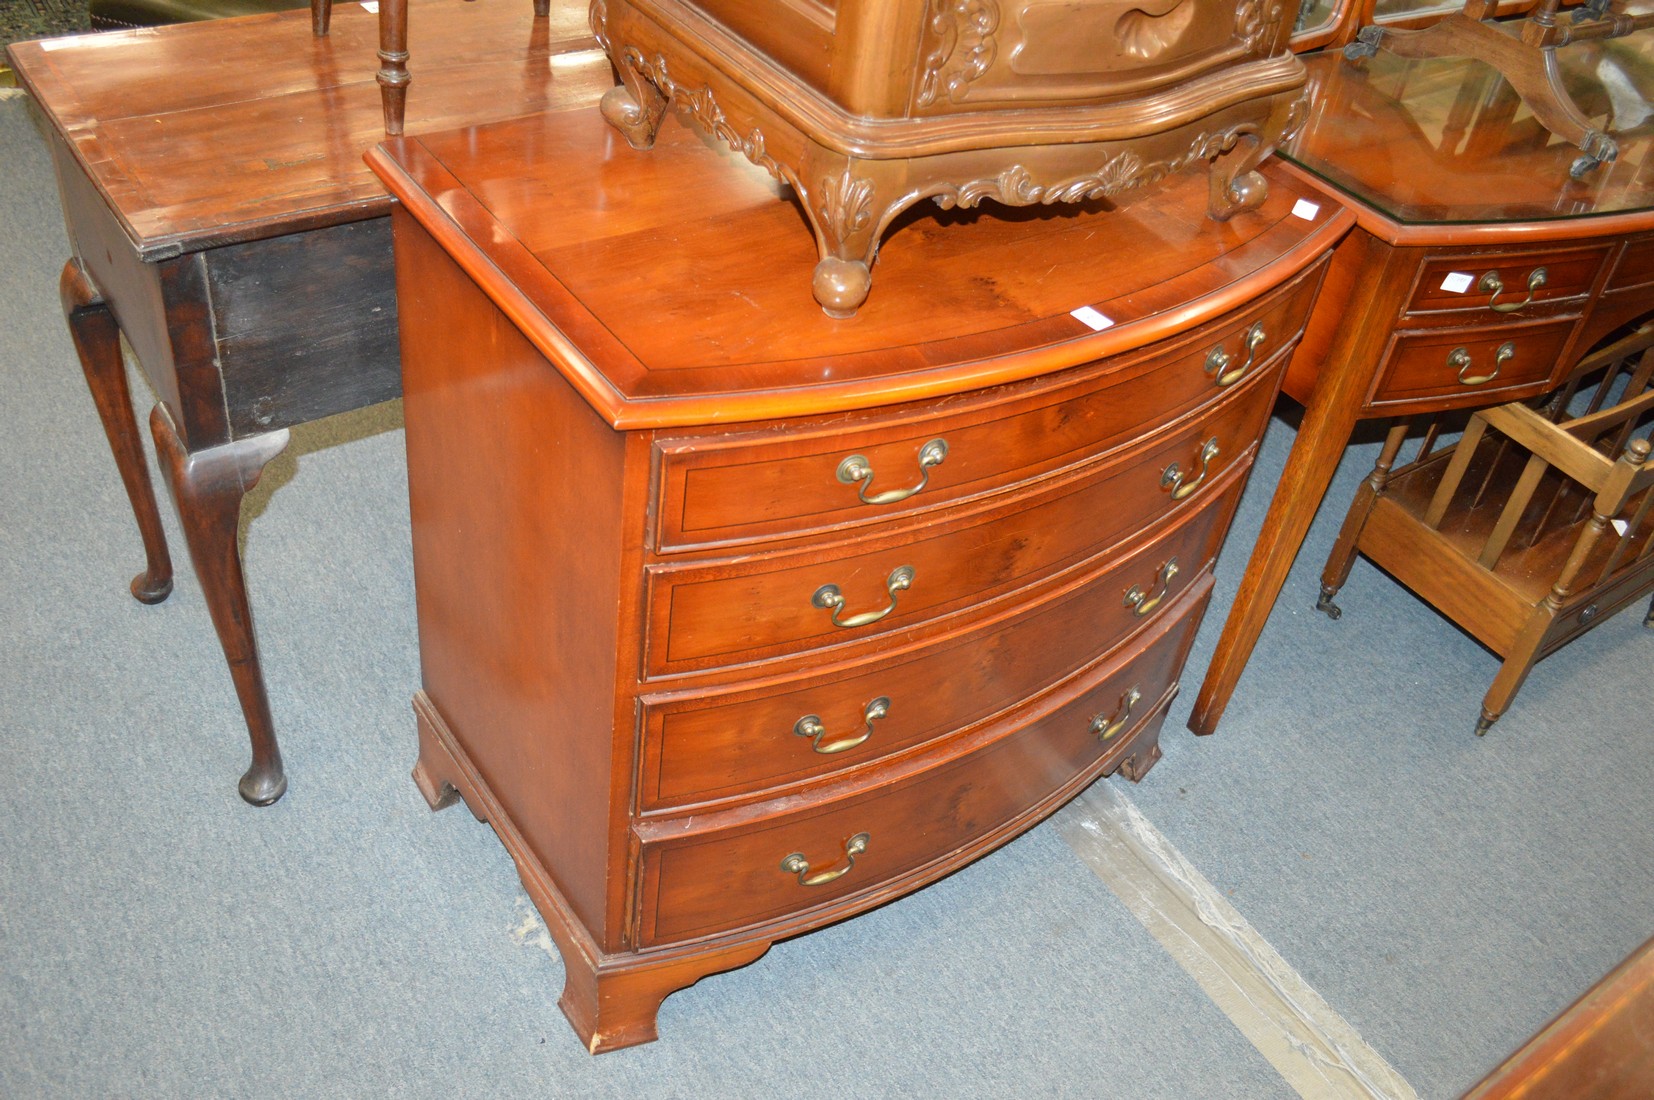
(207, 487)
(98, 343)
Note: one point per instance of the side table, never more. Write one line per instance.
(1478, 272)
(224, 225)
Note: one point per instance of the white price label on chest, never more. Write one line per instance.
(1305, 209)
(1089, 316)
(1457, 282)
(371, 6)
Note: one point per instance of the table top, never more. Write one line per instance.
(672, 285)
(205, 134)
(1435, 143)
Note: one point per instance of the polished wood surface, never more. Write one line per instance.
(867, 107)
(1438, 142)
(1601, 1048)
(736, 620)
(223, 223)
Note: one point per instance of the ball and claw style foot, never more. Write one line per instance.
(1324, 603)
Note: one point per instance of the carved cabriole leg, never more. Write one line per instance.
(635, 107)
(393, 63)
(611, 1001)
(1234, 181)
(849, 203)
(207, 487)
(321, 17)
(98, 343)
(1342, 557)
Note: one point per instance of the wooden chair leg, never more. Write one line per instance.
(97, 341)
(321, 17)
(208, 487)
(1648, 619)
(393, 63)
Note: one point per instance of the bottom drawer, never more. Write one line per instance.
(775, 860)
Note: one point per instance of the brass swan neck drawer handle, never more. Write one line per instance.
(1218, 360)
(810, 726)
(828, 597)
(796, 864)
(1106, 728)
(856, 470)
(1490, 283)
(1173, 477)
(1140, 602)
(1460, 360)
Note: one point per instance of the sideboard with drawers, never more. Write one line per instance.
(736, 620)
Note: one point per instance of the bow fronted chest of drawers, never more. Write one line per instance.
(736, 620)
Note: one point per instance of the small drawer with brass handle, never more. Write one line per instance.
(1218, 360)
(810, 726)
(1470, 374)
(1140, 602)
(1437, 368)
(1107, 726)
(1527, 283)
(1176, 482)
(829, 598)
(796, 864)
(1491, 284)
(856, 470)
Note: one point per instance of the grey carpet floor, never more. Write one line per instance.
(159, 938)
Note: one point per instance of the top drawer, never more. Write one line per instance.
(744, 486)
(1499, 284)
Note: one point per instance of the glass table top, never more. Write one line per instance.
(1447, 141)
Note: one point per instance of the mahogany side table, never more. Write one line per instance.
(1478, 272)
(224, 225)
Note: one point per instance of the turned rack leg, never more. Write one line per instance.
(208, 486)
(1342, 557)
(97, 341)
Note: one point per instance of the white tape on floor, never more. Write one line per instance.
(1313, 1047)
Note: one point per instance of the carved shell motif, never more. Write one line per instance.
(1147, 31)
(964, 51)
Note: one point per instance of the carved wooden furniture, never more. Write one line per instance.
(735, 619)
(225, 227)
(1477, 274)
(1532, 527)
(865, 107)
(1529, 62)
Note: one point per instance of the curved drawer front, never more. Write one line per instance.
(731, 744)
(714, 614)
(701, 882)
(756, 485)
(1478, 365)
(1503, 284)
(1635, 266)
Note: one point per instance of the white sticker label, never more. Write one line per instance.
(371, 6)
(1458, 282)
(1087, 315)
(1622, 526)
(1305, 209)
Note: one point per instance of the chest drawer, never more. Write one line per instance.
(752, 486)
(780, 860)
(729, 612)
(1635, 266)
(703, 748)
(1505, 284)
(1478, 365)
